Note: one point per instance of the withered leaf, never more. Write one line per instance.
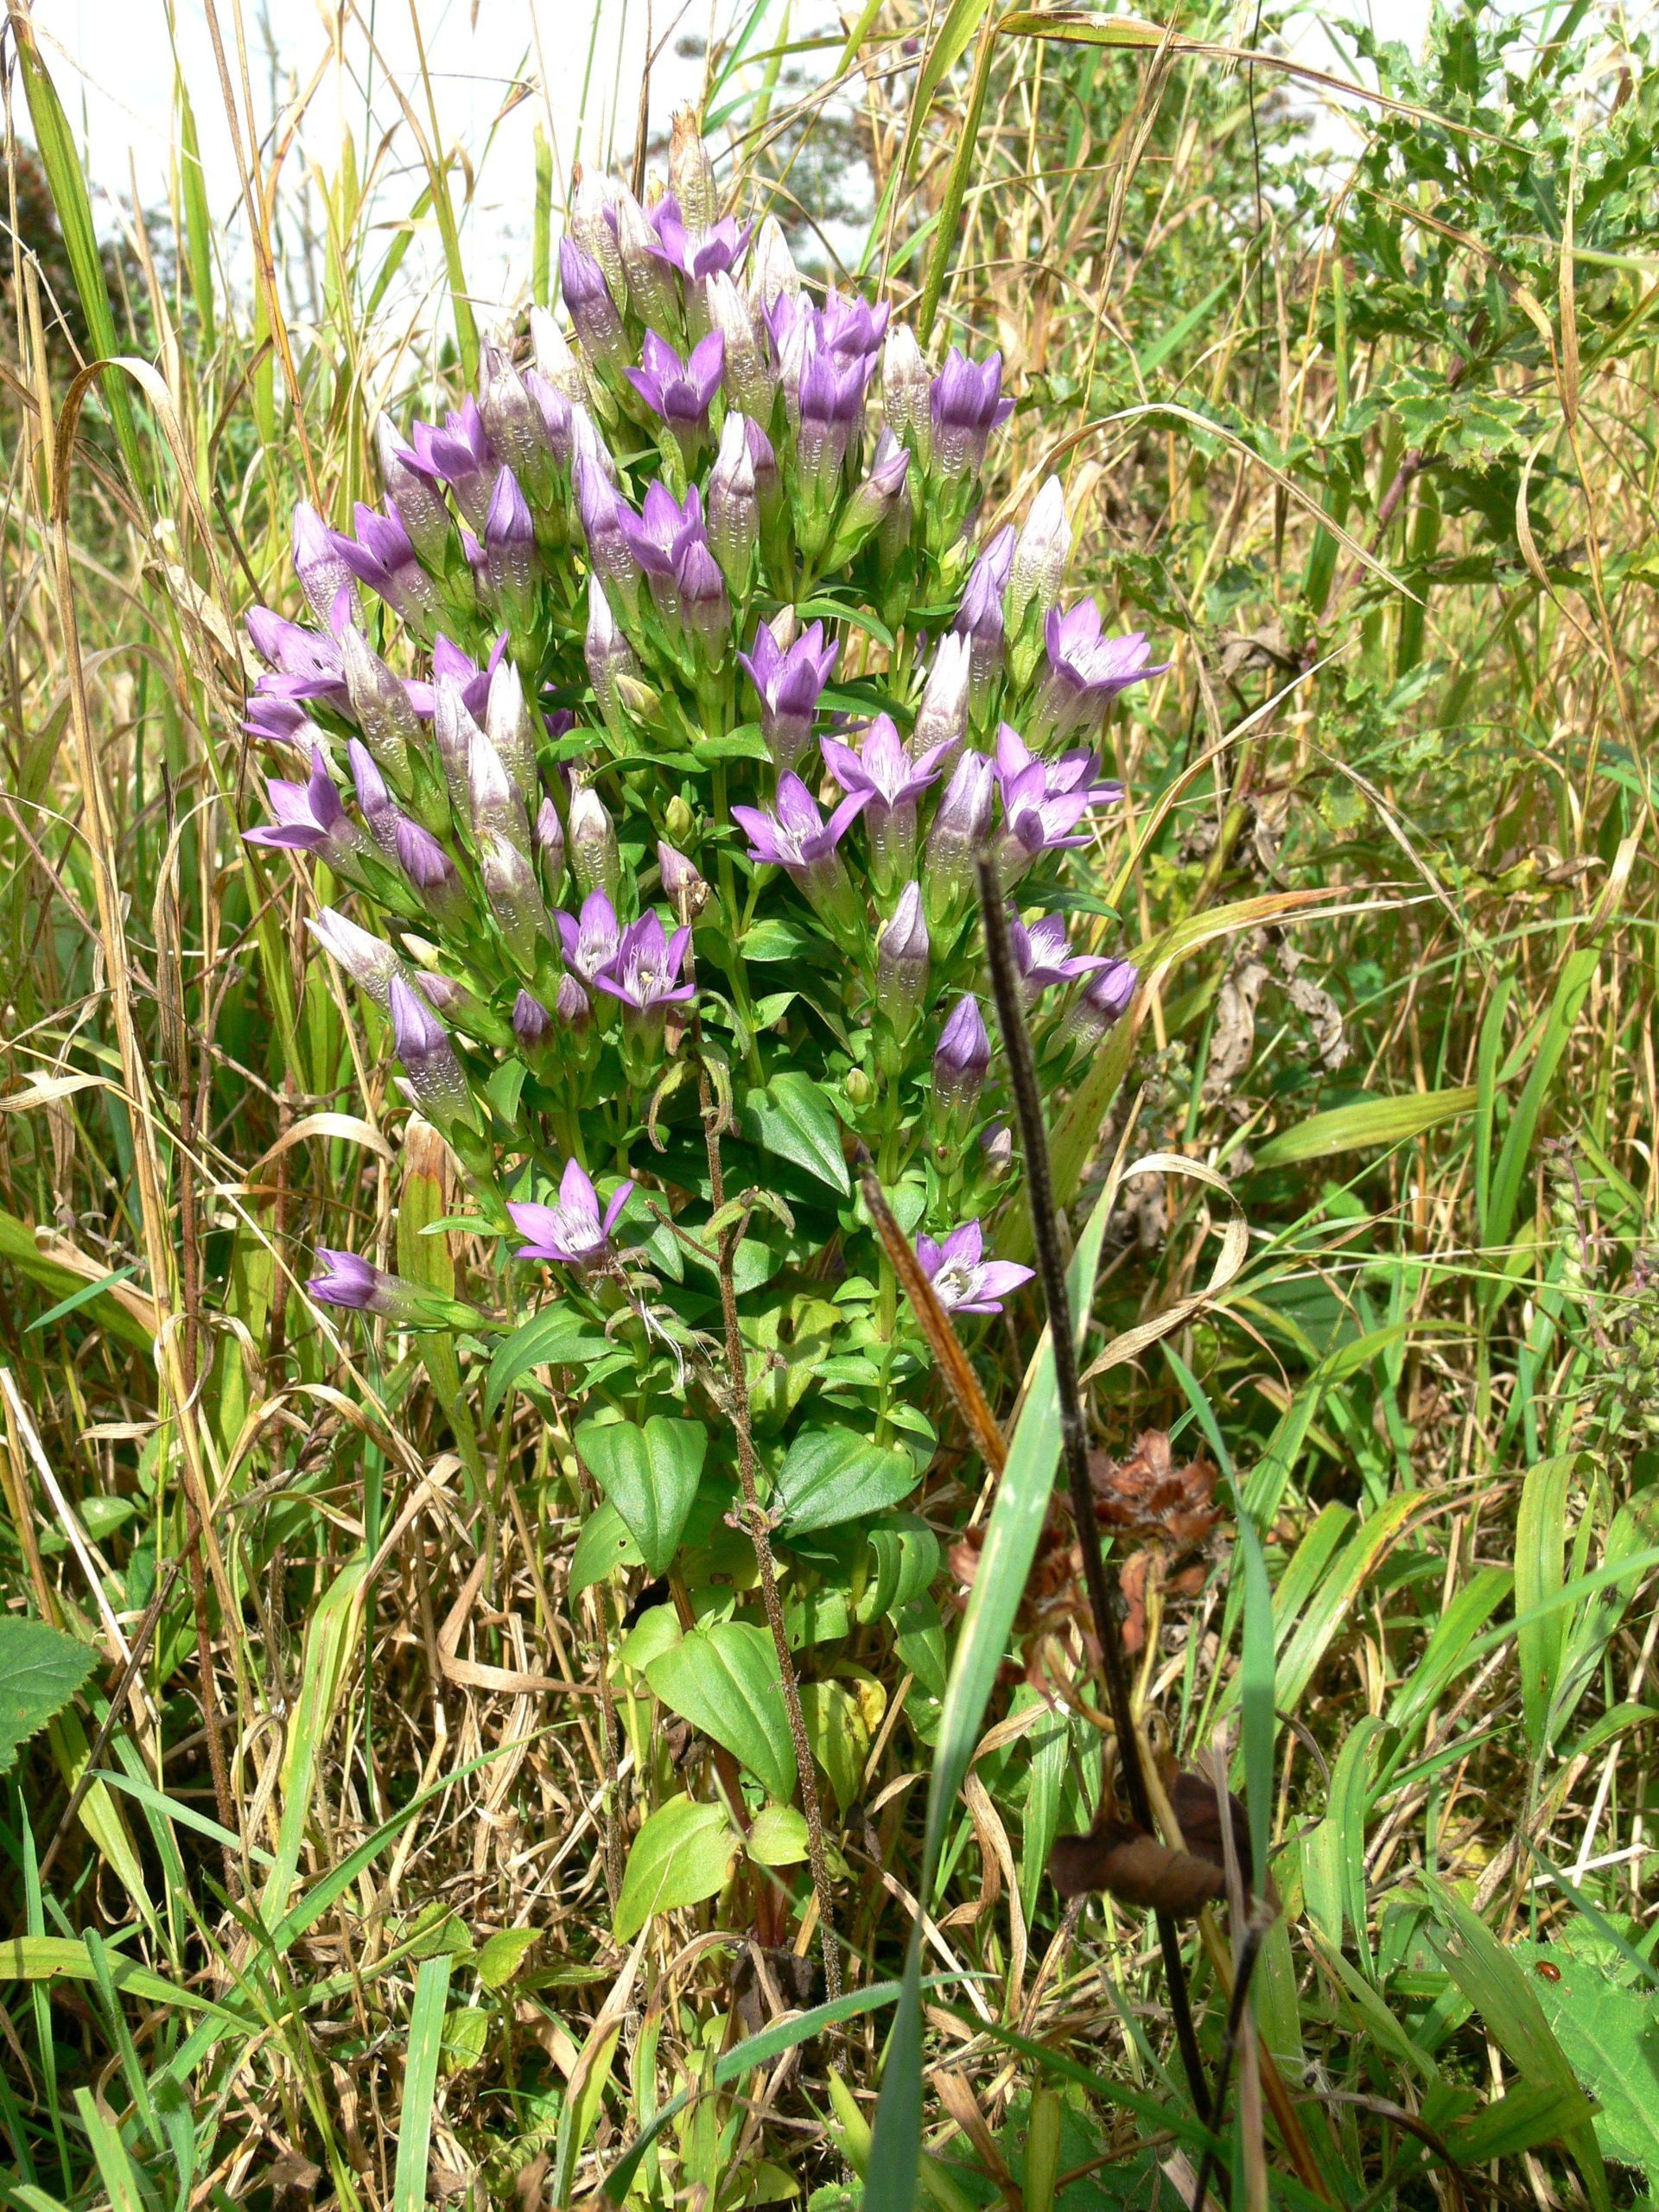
(1132, 1866)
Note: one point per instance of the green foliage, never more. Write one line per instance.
(40, 1669)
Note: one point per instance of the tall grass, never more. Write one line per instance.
(1371, 446)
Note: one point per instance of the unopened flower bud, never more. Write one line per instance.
(772, 273)
(518, 429)
(550, 843)
(860, 1090)
(532, 1023)
(430, 869)
(901, 958)
(907, 393)
(388, 723)
(573, 1007)
(746, 372)
(436, 1079)
(871, 501)
(322, 574)
(507, 722)
(554, 360)
(595, 860)
(690, 172)
(734, 507)
(959, 829)
(961, 1059)
(980, 617)
(651, 291)
(514, 896)
(592, 203)
(494, 800)
(1102, 1003)
(369, 961)
(609, 657)
(682, 887)
(704, 608)
(1040, 553)
(453, 732)
(508, 540)
(591, 307)
(941, 717)
(996, 1149)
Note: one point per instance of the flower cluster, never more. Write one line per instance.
(659, 715)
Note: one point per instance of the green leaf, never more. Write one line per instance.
(603, 1547)
(684, 1853)
(420, 2058)
(650, 1475)
(1610, 2037)
(793, 1118)
(725, 1680)
(556, 1337)
(832, 1475)
(40, 1669)
(840, 1740)
(904, 1560)
(1369, 1122)
(776, 1836)
(502, 1956)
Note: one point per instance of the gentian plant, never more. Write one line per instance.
(644, 744)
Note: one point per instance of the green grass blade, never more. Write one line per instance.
(420, 2083)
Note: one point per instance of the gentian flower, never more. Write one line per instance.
(590, 943)
(733, 503)
(967, 407)
(960, 1058)
(750, 379)
(963, 1279)
(652, 293)
(892, 782)
(1042, 802)
(698, 254)
(901, 961)
(513, 896)
(942, 717)
(310, 818)
(829, 409)
(1103, 1003)
(596, 856)
(591, 311)
(573, 1231)
(382, 557)
(788, 681)
(680, 391)
(605, 517)
(644, 971)
(979, 618)
(436, 1081)
(795, 836)
(509, 541)
(430, 869)
(1085, 672)
(532, 1022)
(461, 453)
(369, 961)
(960, 828)
(356, 1284)
(1040, 553)
(305, 664)
(1043, 957)
(384, 711)
(660, 537)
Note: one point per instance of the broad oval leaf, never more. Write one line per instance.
(556, 1337)
(650, 1475)
(604, 1546)
(793, 1118)
(726, 1682)
(685, 1852)
(776, 1836)
(830, 1475)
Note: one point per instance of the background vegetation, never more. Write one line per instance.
(1369, 440)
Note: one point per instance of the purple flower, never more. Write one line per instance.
(343, 1279)
(644, 971)
(307, 666)
(661, 536)
(382, 557)
(471, 682)
(437, 1082)
(963, 1279)
(680, 391)
(509, 538)
(704, 608)
(1043, 957)
(892, 782)
(698, 254)
(733, 502)
(309, 818)
(573, 1006)
(385, 713)
(276, 721)
(461, 453)
(1086, 672)
(1042, 802)
(967, 407)
(429, 868)
(590, 943)
(960, 1058)
(850, 328)
(588, 297)
(795, 836)
(573, 1231)
(880, 501)
(1109, 994)
(829, 410)
(979, 618)
(788, 682)
(532, 1022)
(605, 521)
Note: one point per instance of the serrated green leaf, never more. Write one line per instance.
(504, 1954)
(725, 1680)
(650, 1475)
(684, 1853)
(1610, 2037)
(40, 1669)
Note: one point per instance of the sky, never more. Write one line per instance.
(497, 68)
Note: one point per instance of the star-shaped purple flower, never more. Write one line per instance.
(968, 406)
(459, 453)
(963, 1279)
(1086, 672)
(698, 254)
(1044, 957)
(660, 538)
(573, 1231)
(680, 391)
(1043, 802)
(309, 816)
(793, 834)
(644, 972)
(788, 682)
(590, 941)
(892, 783)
